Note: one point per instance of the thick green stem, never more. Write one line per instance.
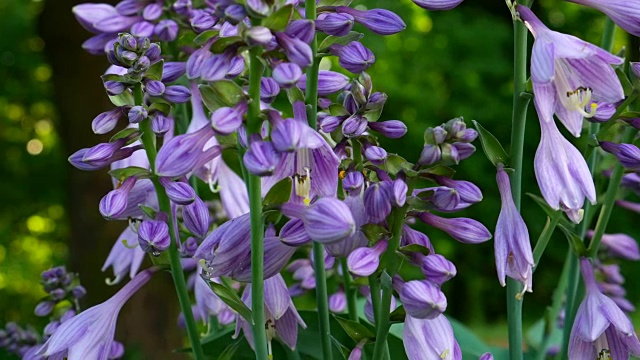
(148, 141)
(255, 208)
(519, 117)
(382, 321)
(311, 100)
(349, 291)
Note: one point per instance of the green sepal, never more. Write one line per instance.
(337, 110)
(574, 241)
(627, 87)
(220, 94)
(131, 171)
(334, 3)
(340, 40)
(373, 115)
(294, 94)
(398, 315)
(155, 71)
(549, 211)
(233, 300)
(385, 280)
(441, 170)
(278, 20)
(355, 330)
(279, 193)
(124, 99)
(127, 132)
(418, 204)
(491, 146)
(220, 45)
(395, 164)
(414, 248)
(160, 106)
(149, 211)
(374, 232)
(205, 36)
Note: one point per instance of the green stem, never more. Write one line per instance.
(519, 117)
(374, 286)
(255, 210)
(544, 237)
(148, 141)
(389, 258)
(311, 100)
(349, 291)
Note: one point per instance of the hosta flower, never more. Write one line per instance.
(430, 339)
(600, 324)
(437, 4)
(623, 12)
(569, 75)
(89, 335)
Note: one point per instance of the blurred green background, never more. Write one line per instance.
(444, 65)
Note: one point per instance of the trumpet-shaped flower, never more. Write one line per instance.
(89, 335)
(625, 13)
(600, 324)
(569, 75)
(430, 339)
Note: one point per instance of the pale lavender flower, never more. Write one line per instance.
(430, 339)
(338, 302)
(512, 247)
(465, 230)
(125, 256)
(106, 121)
(380, 21)
(392, 129)
(623, 12)
(89, 335)
(358, 239)
(302, 29)
(619, 245)
(628, 154)
(186, 153)
(297, 51)
(329, 82)
(354, 56)
(423, 299)
(335, 24)
(600, 324)
(364, 261)
(328, 220)
(437, 268)
(286, 74)
(486, 356)
(562, 173)
(153, 236)
(569, 75)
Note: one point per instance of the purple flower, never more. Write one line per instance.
(114, 204)
(423, 299)
(297, 51)
(302, 29)
(153, 236)
(619, 245)
(269, 89)
(185, 153)
(469, 193)
(154, 87)
(569, 75)
(335, 24)
(465, 230)
(600, 324)
(89, 335)
(627, 154)
(123, 258)
(207, 302)
(380, 21)
(216, 67)
(106, 121)
(486, 356)
(172, 71)
(227, 120)
(377, 201)
(512, 247)
(262, 158)
(354, 56)
(177, 94)
(196, 218)
(430, 339)
(166, 30)
(329, 82)
(430, 155)
(102, 18)
(624, 13)
(286, 74)
(179, 192)
(562, 173)
(364, 261)
(437, 4)
(376, 155)
(437, 268)
(338, 302)
(328, 220)
(392, 129)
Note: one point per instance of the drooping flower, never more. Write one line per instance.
(430, 339)
(600, 324)
(562, 173)
(569, 75)
(89, 335)
(512, 247)
(623, 12)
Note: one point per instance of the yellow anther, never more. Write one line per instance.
(341, 174)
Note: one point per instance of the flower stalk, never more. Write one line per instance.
(349, 291)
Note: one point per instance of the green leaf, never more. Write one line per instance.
(374, 232)
(491, 146)
(155, 71)
(295, 94)
(278, 20)
(279, 193)
(373, 115)
(232, 299)
(149, 211)
(394, 164)
(124, 99)
(549, 211)
(341, 40)
(124, 173)
(160, 106)
(441, 170)
(355, 330)
(575, 241)
(205, 36)
(334, 3)
(124, 133)
(220, 94)
(627, 87)
(398, 315)
(338, 110)
(223, 43)
(414, 248)
(229, 352)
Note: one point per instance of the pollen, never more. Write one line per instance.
(579, 99)
(341, 174)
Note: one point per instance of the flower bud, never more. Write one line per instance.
(153, 236)
(449, 154)
(269, 89)
(398, 192)
(161, 124)
(144, 44)
(154, 87)
(258, 8)
(44, 308)
(430, 155)
(468, 192)
(354, 56)
(129, 7)
(234, 13)
(172, 71)
(196, 218)
(335, 24)
(354, 126)
(203, 21)
(437, 268)
(463, 150)
(422, 299)
(437, 4)
(392, 129)
(106, 121)
(377, 201)
(262, 158)
(380, 21)
(287, 74)
(328, 220)
(376, 155)
(443, 198)
(353, 182)
(184, 153)
(115, 202)
(338, 302)
(259, 35)
(330, 123)
(465, 230)
(487, 355)
(293, 233)
(627, 154)
(376, 101)
(114, 87)
(619, 245)
(368, 308)
(215, 68)
(166, 30)
(364, 261)
(177, 94)
(227, 120)
(128, 41)
(297, 51)
(195, 62)
(78, 292)
(179, 192)
(152, 11)
(189, 247)
(137, 114)
(142, 28)
(286, 135)
(302, 29)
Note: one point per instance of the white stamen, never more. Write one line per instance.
(302, 184)
(579, 99)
